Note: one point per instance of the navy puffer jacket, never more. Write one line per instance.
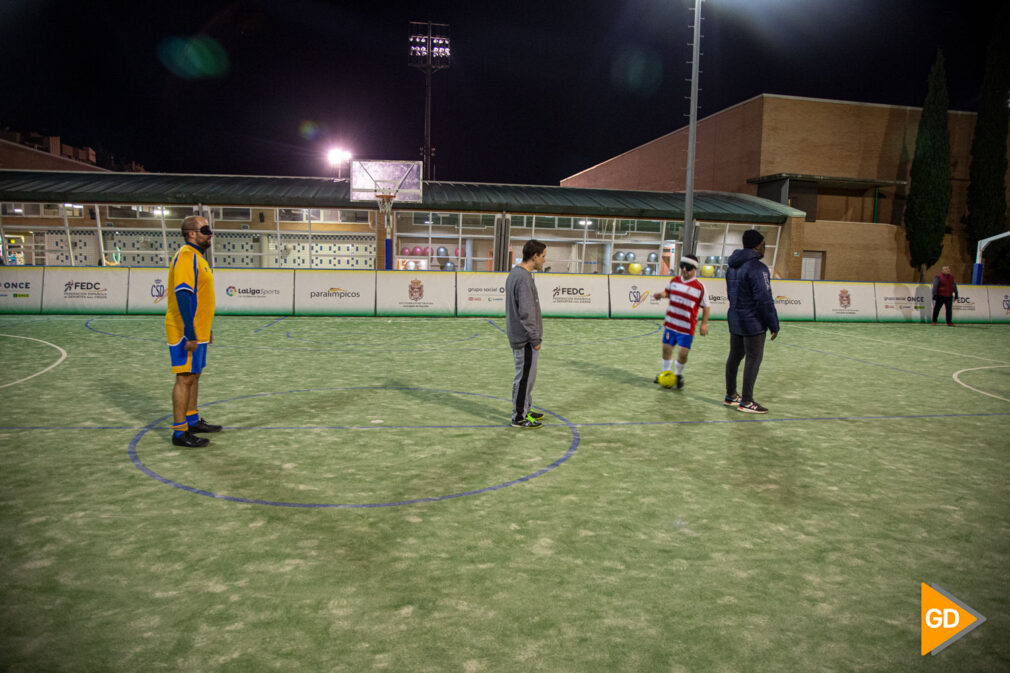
(748, 285)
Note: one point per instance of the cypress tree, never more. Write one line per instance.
(929, 192)
(986, 199)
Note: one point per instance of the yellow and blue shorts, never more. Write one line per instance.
(186, 362)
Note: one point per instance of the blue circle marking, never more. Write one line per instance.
(139, 464)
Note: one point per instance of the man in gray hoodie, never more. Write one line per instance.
(525, 330)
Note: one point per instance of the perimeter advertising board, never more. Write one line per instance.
(903, 302)
(971, 305)
(794, 299)
(480, 294)
(254, 291)
(999, 303)
(67, 289)
(148, 290)
(631, 296)
(573, 295)
(431, 293)
(717, 297)
(843, 302)
(20, 289)
(319, 292)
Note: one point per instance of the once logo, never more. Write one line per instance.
(18, 285)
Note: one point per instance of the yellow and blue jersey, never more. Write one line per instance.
(190, 272)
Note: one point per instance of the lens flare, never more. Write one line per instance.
(309, 130)
(198, 57)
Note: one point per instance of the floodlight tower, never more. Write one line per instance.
(429, 52)
(692, 132)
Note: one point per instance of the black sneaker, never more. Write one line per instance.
(535, 415)
(656, 380)
(752, 408)
(528, 422)
(203, 426)
(680, 381)
(731, 400)
(189, 440)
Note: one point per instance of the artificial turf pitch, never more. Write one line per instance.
(367, 506)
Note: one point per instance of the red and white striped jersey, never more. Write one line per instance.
(685, 298)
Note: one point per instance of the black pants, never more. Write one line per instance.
(946, 302)
(740, 347)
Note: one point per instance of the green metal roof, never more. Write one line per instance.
(288, 192)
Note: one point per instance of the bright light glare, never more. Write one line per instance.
(338, 156)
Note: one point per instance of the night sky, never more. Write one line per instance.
(537, 91)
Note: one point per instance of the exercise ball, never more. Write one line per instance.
(405, 252)
(619, 269)
(653, 257)
(708, 271)
(427, 251)
(630, 257)
(418, 251)
(710, 260)
(411, 265)
(442, 251)
(619, 256)
(649, 271)
(635, 269)
(459, 252)
(448, 266)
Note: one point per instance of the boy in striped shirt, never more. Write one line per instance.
(686, 295)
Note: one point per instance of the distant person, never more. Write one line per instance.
(188, 320)
(944, 294)
(686, 295)
(751, 314)
(524, 327)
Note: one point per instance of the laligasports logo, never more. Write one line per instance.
(158, 291)
(233, 291)
(334, 293)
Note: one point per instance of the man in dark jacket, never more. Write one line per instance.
(944, 293)
(751, 314)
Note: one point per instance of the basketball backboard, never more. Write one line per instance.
(374, 180)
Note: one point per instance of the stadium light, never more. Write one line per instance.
(337, 157)
(429, 52)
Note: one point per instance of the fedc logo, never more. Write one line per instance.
(944, 619)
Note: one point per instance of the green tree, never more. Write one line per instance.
(929, 192)
(987, 205)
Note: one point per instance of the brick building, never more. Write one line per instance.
(845, 164)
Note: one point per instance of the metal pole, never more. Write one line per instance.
(427, 115)
(164, 240)
(101, 243)
(689, 242)
(66, 226)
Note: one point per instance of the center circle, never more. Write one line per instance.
(140, 465)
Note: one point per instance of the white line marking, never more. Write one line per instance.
(905, 345)
(976, 389)
(63, 356)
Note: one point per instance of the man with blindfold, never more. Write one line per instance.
(188, 320)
